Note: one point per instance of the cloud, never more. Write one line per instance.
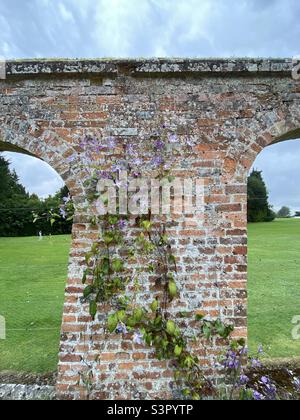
(66, 14)
(94, 28)
(37, 176)
(135, 28)
(281, 172)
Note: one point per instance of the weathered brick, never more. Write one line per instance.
(229, 129)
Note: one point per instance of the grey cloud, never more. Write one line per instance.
(96, 28)
(37, 176)
(281, 172)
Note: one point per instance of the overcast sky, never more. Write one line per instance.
(148, 28)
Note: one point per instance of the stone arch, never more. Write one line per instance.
(287, 127)
(60, 155)
(50, 148)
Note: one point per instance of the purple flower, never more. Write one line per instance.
(244, 379)
(255, 363)
(159, 145)
(231, 361)
(157, 161)
(122, 224)
(190, 142)
(260, 349)
(138, 338)
(296, 382)
(121, 328)
(257, 396)
(137, 161)
(67, 199)
(104, 175)
(173, 138)
(265, 380)
(111, 143)
(71, 159)
(63, 213)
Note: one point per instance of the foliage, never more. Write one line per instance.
(33, 276)
(259, 209)
(109, 275)
(17, 208)
(273, 286)
(284, 212)
(244, 378)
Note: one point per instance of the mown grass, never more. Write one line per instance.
(32, 281)
(33, 276)
(274, 286)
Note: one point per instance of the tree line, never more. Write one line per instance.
(259, 209)
(18, 208)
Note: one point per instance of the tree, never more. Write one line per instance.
(17, 208)
(259, 209)
(284, 212)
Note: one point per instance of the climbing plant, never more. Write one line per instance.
(118, 262)
(132, 249)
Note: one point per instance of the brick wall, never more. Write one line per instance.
(233, 109)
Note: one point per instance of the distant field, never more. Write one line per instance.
(274, 285)
(32, 281)
(33, 276)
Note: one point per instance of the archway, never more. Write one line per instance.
(33, 273)
(273, 252)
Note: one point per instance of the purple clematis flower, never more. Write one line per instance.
(138, 338)
(63, 213)
(173, 138)
(257, 396)
(121, 329)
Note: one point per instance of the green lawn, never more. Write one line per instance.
(33, 275)
(274, 285)
(32, 281)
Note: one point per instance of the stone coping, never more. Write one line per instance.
(163, 66)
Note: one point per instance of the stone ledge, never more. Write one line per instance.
(18, 392)
(148, 66)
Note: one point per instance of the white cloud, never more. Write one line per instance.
(66, 14)
(281, 172)
(135, 28)
(117, 23)
(37, 176)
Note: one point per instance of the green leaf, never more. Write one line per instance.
(146, 224)
(121, 315)
(93, 308)
(105, 266)
(158, 321)
(112, 323)
(138, 314)
(196, 396)
(172, 289)
(171, 327)
(178, 350)
(84, 277)
(151, 268)
(172, 259)
(207, 331)
(131, 322)
(117, 265)
(88, 291)
(199, 317)
(154, 305)
(186, 392)
(88, 257)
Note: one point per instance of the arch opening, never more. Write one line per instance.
(273, 250)
(33, 265)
